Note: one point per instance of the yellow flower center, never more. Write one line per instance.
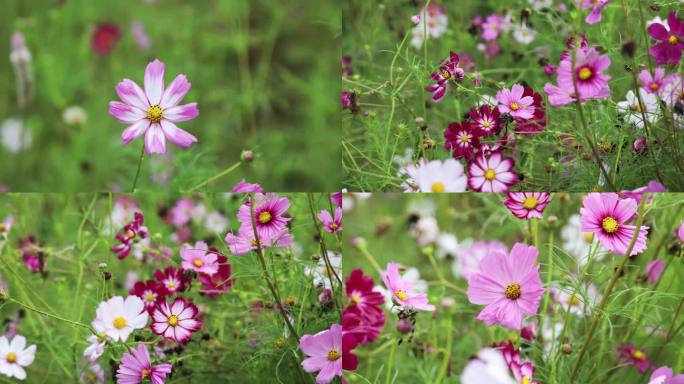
(530, 202)
(486, 124)
(119, 323)
(149, 297)
(573, 300)
(11, 357)
(437, 186)
(514, 106)
(198, 262)
(464, 138)
(265, 217)
(635, 107)
(329, 271)
(280, 342)
(401, 295)
(490, 174)
(588, 237)
(173, 320)
(154, 114)
(654, 86)
(145, 373)
(513, 291)
(171, 284)
(446, 74)
(638, 355)
(673, 39)
(355, 298)
(334, 354)
(585, 73)
(526, 380)
(609, 224)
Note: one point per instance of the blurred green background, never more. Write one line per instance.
(260, 72)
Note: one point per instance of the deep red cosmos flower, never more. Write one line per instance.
(486, 120)
(174, 280)
(462, 140)
(359, 289)
(105, 37)
(151, 292)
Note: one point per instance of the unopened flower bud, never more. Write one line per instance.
(247, 156)
(404, 326)
(566, 348)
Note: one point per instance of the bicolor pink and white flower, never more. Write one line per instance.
(324, 351)
(527, 205)
(154, 111)
(136, 367)
(664, 375)
(509, 285)
(606, 215)
(176, 321)
(332, 224)
(118, 318)
(199, 258)
(493, 173)
(150, 292)
(486, 120)
(172, 279)
(514, 103)
(403, 292)
(14, 356)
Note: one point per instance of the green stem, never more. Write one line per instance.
(137, 173)
(214, 178)
(390, 363)
(36, 310)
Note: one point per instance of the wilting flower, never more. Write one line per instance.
(150, 292)
(331, 224)
(219, 282)
(136, 367)
(509, 285)
(362, 296)
(514, 103)
(436, 176)
(632, 356)
(129, 234)
(449, 70)
(664, 375)
(199, 258)
(527, 205)
(154, 111)
(403, 292)
(654, 269)
(491, 174)
(633, 110)
(654, 84)
(118, 318)
(607, 216)
(434, 23)
(324, 351)
(244, 186)
(461, 140)
(105, 37)
(486, 120)
(244, 242)
(96, 347)
(14, 356)
(671, 40)
(596, 8)
(268, 217)
(176, 321)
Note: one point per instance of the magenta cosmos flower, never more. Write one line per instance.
(654, 84)
(527, 205)
(588, 73)
(362, 297)
(654, 269)
(155, 111)
(461, 140)
(493, 173)
(664, 375)
(177, 321)
(268, 216)
(199, 258)
(325, 353)
(492, 27)
(449, 70)
(671, 41)
(509, 285)
(633, 356)
(331, 224)
(403, 293)
(680, 231)
(596, 8)
(607, 216)
(136, 367)
(514, 103)
(486, 120)
(244, 242)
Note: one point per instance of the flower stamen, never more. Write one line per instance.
(609, 224)
(513, 291)
(119, 323)
(334, 354)
(155, 113)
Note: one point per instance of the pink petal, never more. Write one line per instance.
(176, 135)
(134, 131)
(130, 93)
(124, 113)
(154, 139)
(175, 92)
(154, 82)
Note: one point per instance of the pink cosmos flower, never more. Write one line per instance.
(559, 96)
(491, 174)
(486, 120)
(596, 8)
(244, 186)
(181, 213)
(492, 27)
(664, 375)
(141, 38)
(218, 283)
(244, 242)
(154, 111)
(671, 41)
(325, 353)
(470, 257)
(461, 140)
(522, 370)
(509, 285)
(654, 84)
(527, 205)
(150, 292)
(199, 258)
(589, 65)
(512, 102)
(136, 367)
(268, 216)
(638, 194)
(331, 224)
(402, 291)
(680, 231)
(177, 321)
(654, 269)
(447, 71)
(336, 198)
(632, 356)
(607, 216)
(172, 279)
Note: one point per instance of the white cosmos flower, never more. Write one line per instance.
(579, 244)
(447, 246)
(74, 115)
(437, 24)
(489, 367)
(14, 356)
(118, 318)
(538, 5)
(15, 137)
(522, 34)
(215, 222)
(321, 273)
(97, 345)
(436, 176)
(425, 231)
(632, 108)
